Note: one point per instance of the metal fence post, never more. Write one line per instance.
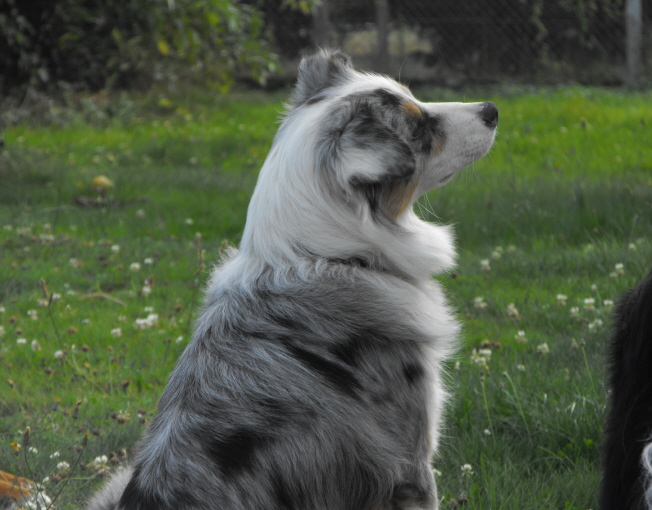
(382, 31)
(634, 25)
(321, 25)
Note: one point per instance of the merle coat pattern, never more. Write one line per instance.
(313, 380)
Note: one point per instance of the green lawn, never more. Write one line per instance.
(98, 302)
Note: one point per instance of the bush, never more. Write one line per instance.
(95, 44)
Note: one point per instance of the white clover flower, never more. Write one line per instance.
(479, 303)
(21, 341)
(607, 303)
(148, 260)
(179, 339)
(520, 368)
(485, 353)
(481, 358)
(102, 459)
(589, 304)
(596, 324)
(467, 470)
(561, 299)
(63, 466)
(575, 311)
(487, 432)
(520, 337)
(147, 290)
(55, 455)
(32, 450)
(632, 247)
(543, 349)
(115, 248)
(116, 332)
(33, 314)
(150, 321)
(148, 309)
(39, 501)
(2, 309)
(134, 267)
(58, 354)
(620, 268)
(35, 345)
(512, 311)
(54, 296)
(75, 262)
(189, 221)
(484, 265)
(594, 287)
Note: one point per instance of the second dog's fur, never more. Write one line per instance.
(627, 462)
(313, 381)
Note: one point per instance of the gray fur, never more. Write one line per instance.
(319, 72)
(313, 381)
(305, 395)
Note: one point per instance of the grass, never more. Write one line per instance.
(98, 302)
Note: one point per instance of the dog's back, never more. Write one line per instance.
(260, 399)
(629, 422)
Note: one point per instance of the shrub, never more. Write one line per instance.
(94, 44)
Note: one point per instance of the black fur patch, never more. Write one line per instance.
(282, 494)
(136, 498)
(353, 349)
(629, 421)
(413, 373)
(426, 130)
(387, 99)
(236, 452)
(338, 376)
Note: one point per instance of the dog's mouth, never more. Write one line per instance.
(446, 178)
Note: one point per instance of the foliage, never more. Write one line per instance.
(97, 298)
(120, 43)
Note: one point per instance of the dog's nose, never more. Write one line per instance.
(489, 114)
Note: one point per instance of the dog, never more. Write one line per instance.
(627, 460)
(313, 380)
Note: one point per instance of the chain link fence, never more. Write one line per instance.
(454, 42)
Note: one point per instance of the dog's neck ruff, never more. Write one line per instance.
(296, 214)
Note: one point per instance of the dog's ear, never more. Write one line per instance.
(366, 155)
(319, 71)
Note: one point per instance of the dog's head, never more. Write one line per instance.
(353, 154)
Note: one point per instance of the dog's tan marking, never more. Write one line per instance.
(438, 145)
(397, 197)
(411, 110)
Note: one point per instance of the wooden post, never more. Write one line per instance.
(634, 27)
(321, 25)
(382, 31)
